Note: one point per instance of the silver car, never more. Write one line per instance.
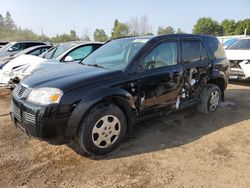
(13, 48)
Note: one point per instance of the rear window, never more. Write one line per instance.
(216, 47)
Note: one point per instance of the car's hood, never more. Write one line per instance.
(3, 53)
(69, 76)
(238, 54)
(22, 60)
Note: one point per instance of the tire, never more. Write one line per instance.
(102, 129)
(210, 98)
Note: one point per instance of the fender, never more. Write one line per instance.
(89, 100)
(221, 79)
(221, 69)
(216, 73)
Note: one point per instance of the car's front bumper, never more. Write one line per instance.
(38, 121)
(241, 70)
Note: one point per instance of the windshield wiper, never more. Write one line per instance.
(93, 65)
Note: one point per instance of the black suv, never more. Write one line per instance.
(98, 100)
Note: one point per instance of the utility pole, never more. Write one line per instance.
(42, 33)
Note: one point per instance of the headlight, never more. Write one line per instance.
(45, 96)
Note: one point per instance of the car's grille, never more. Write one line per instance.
(23, 116)
(16, 112)
(29, 118)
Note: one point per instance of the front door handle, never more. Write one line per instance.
(176, 74)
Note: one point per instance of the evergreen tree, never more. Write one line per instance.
(166, 30)
(8, 22)
(121, 30)
(1, 21)
(228, 26)
(100, 35)
(116, 22)
(207, 26)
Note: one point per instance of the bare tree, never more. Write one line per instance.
(139, 26)
(145, 27)
(85, 35)
(134, 26)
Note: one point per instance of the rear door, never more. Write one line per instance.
(195, 56)
(160, 78)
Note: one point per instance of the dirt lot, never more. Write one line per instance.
(179, 150)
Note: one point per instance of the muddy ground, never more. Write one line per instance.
(183, 149)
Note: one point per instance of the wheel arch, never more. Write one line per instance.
(220, 82)
(128, 111)
(116, 96)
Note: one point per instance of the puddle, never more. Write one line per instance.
(226, 104)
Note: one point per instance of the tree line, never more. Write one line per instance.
(134, 27)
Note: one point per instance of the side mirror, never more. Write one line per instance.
(68, 58)
(10, 49)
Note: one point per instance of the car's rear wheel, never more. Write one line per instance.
(210, 98)
(102, 129)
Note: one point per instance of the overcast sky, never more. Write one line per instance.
(59, 16)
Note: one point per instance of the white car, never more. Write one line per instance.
(25, 65)
(239, 56)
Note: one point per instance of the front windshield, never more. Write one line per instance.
(116, 54)
(57, 51)
(229, 42)
(243, 44)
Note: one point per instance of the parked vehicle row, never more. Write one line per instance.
(35, 50)
(13, 48)
(98, 100)
(23, 65)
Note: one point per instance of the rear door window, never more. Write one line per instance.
(193, 51)
(190, 51)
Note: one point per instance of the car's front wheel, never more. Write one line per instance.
(102, 129)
